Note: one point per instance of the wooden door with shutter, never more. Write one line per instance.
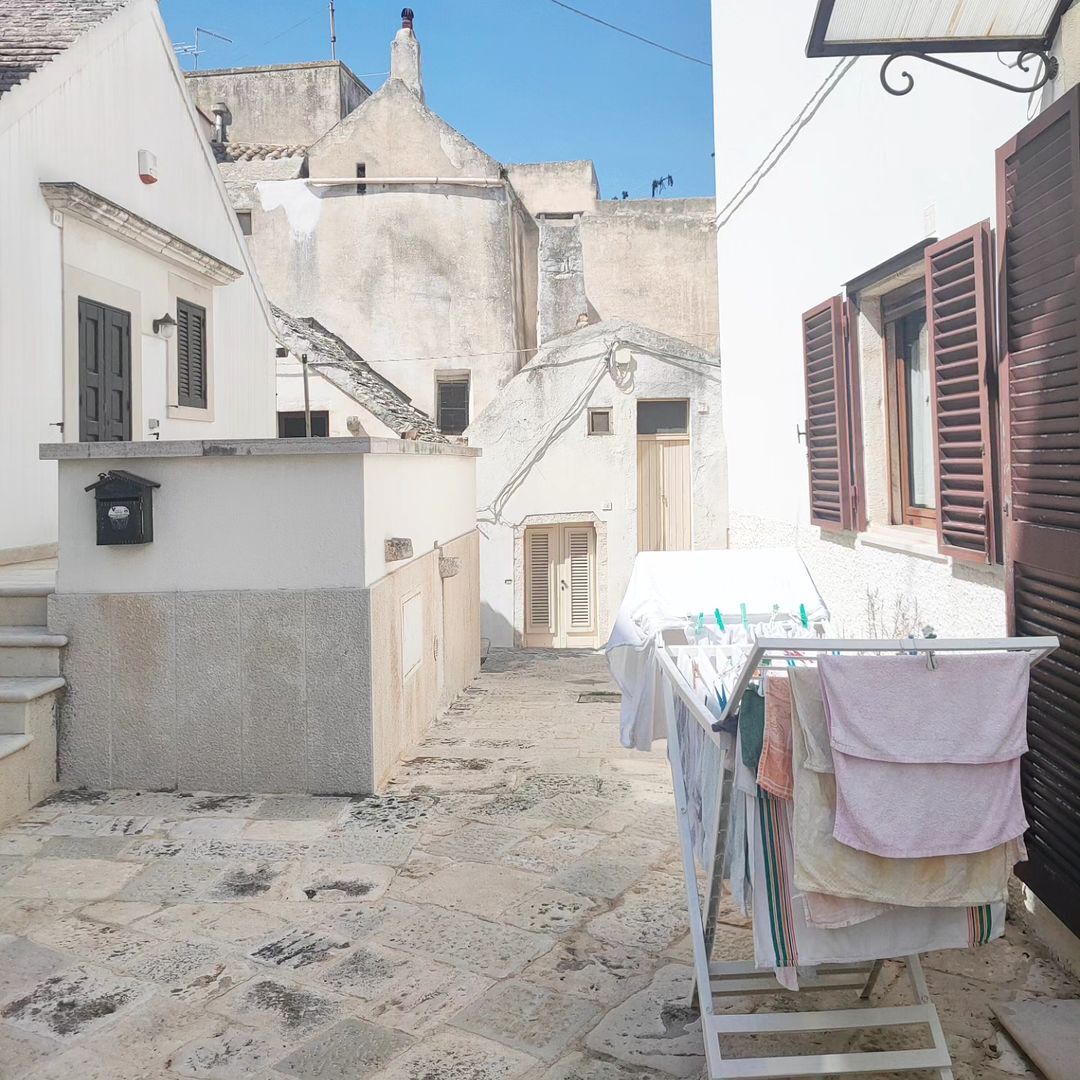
(104, 372)
(663, 505)
(560, 587)
(1039, 317)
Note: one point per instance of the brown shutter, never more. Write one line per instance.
(959, 306)
(828, 417)
(1039, 310)
(190, 354)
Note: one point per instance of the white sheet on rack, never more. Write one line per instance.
(667, 586)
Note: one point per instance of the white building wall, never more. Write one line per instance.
(540, 463)
(869, 176)
(83, 118)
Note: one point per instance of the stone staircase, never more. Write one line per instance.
(30, 683)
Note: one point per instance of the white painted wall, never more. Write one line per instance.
(538, 428)
(325, 396)
(83, 118)
(292, 515)
(869, 176)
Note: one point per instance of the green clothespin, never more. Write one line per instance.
(745, 620)
(802, 615)
(719, 619)
(700, 624)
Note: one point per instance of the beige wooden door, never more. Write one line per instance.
(663, 506)
(560, 587)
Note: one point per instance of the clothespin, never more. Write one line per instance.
(931, 659)
(745, 620)
(701, 624)
(719, 620)
(802, 616)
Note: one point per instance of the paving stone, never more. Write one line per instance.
(73, 1002)
(24, 964)
(587, 1067)
(237, 1053)
(302, 831)
(199, 803)
(458, 1056)
(238, 924)
(369, 972)
(358, 921)
(376, 844)
(463, 940)
(475, 840)
(19, 1050)
(599, 876)
(167, 882)
(88, 939)
(295, 1010)
(153, 1031)
(651, 916)
(300, 808)
(591, 969)
(251, 881)
(432, 994)
(390, 811)
(74, 879)
(83, 1063)
(21, 916)
(102, 825)
(14, 845)
(346, 882)
(83, 847)
(12, 867)
(300, 948)
(549, 910)
(527, 1017)
(570, 809)
(349, 1050)
(212, 828)
(479, 888)
(552, 850)
(654, 1029)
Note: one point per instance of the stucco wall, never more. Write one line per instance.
(836, 205)
(52, 129)
(554, 469)
(288, 104)
(461, 617)
(654, 261)
(555, 187)
(324, 396)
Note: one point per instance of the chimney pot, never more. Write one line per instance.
(407, 18)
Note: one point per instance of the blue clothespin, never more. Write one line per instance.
(802, 615)
(719, 619)
(745, 620)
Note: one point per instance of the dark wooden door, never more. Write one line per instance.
(104, 372)
(1039, 310)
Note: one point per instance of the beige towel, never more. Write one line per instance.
(824, 865)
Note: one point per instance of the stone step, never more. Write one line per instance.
(24, 605)
(29, 651)
(16, 697)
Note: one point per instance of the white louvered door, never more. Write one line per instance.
(560, 587)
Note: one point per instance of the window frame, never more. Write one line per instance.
(244, 220)
(896, 306)
(322, 415)
(191, 401)
(453, 379)
(605, 410)
(685, 432)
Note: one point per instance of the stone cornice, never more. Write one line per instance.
(85, 205)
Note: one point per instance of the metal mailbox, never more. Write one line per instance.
(125, 508)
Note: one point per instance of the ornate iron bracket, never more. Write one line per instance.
(1050, 69)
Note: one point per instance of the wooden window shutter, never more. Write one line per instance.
(959, 310)
(1039, 331)
(190, 354)
(580, 559)
(832, 409)
(539, 602)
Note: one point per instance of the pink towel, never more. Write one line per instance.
(774, 767)
(927, 760)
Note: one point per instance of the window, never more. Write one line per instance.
(599, 421)
(452, 404)
(361, 171)
(244, 217)
(663, 417)
(910, 390)
(291, 425)
(190, 355)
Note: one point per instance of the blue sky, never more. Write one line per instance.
(524, 79)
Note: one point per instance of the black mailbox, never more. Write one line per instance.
(125, 508)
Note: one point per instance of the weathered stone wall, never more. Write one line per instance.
(561, 280)
(290, 104)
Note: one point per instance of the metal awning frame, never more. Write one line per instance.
(1029, 50)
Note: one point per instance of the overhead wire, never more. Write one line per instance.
(777, 151)
(631, 34)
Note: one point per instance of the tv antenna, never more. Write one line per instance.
(195, 50)
(333, 33)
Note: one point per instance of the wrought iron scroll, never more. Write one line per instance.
(1049, 71)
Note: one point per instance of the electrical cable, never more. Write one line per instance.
(630, 33)
(784, 143)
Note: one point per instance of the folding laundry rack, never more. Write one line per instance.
(716, 980)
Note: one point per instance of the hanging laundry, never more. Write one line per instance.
(927, 758)
(861, 882)
(784, 939)
(752, 727)
(774, 768)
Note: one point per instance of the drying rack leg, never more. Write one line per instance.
(871, 980)
(922, 995)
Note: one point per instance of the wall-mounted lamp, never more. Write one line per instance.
(165, 326)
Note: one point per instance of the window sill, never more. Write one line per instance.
(188, 412)
(904, 539)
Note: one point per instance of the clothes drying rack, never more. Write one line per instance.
(714, 981)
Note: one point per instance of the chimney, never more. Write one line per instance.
(405, 56)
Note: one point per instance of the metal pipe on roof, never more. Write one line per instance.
(427, 181)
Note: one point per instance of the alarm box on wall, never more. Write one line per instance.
(125, 508)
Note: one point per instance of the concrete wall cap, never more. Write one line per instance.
(248, 448)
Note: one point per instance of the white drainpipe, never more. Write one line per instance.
(426, 181)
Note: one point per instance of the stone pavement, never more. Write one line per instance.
(511, 908)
